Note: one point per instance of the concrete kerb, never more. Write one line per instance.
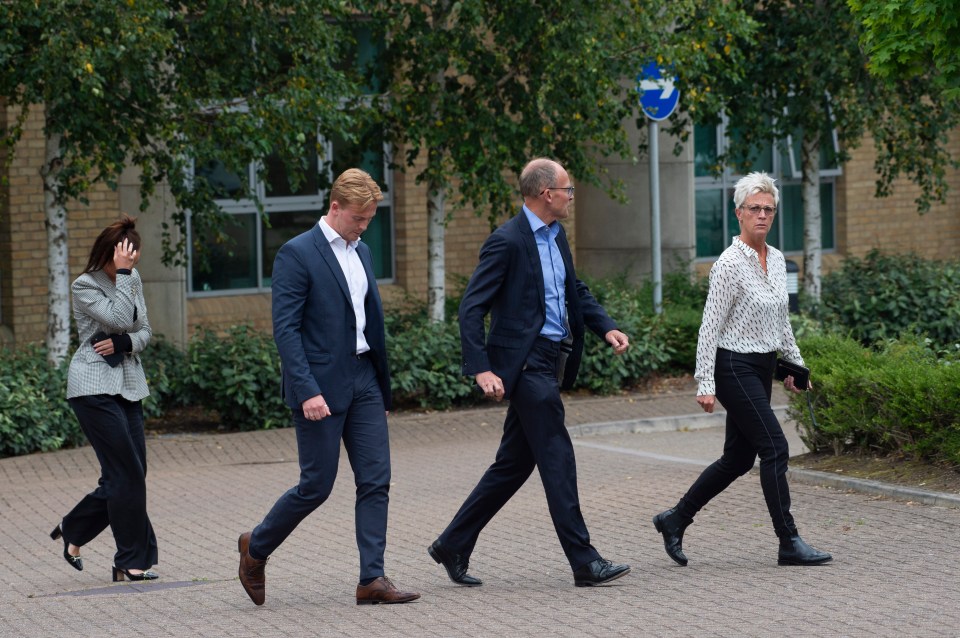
(809, 477)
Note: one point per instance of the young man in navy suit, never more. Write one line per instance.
(538, 310)
(328, 327)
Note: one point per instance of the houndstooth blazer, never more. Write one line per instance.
(99, 304)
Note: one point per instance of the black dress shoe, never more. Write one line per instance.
(455, 564)
(793, 551)
(672, 526)
(599, 572)
(75, 561)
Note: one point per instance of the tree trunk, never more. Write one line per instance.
(58, 262)
(436, 267)
(812, 218)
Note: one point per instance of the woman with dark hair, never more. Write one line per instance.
(105, 386)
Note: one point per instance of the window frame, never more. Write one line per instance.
(288, 204)
(787, 173)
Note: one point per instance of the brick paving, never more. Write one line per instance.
(896, 570)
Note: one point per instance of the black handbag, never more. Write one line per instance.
(801, 375)
(801, 379)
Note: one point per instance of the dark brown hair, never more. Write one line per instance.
(102, 252)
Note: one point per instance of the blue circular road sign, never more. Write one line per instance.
(658, 96)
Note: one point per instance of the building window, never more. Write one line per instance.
(244, 263)
(716, 221)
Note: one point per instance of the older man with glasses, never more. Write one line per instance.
(525, 280)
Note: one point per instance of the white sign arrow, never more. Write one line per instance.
(665, 85)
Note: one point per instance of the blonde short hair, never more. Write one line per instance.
(354, 187)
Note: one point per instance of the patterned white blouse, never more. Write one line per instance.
(746, 310)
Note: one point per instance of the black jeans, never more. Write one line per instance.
(114, 427)
(744, 383)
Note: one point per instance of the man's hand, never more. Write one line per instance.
(618, 340)
(316, 408)
(491, 384)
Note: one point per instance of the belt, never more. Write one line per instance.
(361, 355)
(550, 343)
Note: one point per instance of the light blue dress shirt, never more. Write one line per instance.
(554, 273)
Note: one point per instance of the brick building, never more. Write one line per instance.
(608, 238)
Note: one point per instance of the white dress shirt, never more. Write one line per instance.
(746, 310)
(356, 277)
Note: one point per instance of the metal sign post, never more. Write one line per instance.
(658, 99)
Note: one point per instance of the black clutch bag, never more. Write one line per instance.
(801, 375)
(112, 359)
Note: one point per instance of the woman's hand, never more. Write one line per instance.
(707, 401)
(789, 385)
(104, 348)
(124, 255)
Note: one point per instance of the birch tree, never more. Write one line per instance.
(478, 88)
(806, 76)
(157, 84)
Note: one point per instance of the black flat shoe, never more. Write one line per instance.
(75, 561)
(455, 564)
(120, 572)
(793, 551)
(672, 526)
(599, 572)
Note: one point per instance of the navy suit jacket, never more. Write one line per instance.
(508, 283)
(314, 325)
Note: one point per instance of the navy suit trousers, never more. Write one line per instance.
(363, 428)
(534, 435)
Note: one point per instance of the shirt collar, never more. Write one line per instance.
(744, 248)
(333, 235)
(536, 223)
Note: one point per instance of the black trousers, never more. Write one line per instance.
(534, 435)
(744, 383)
(363, 428)
(114, 427)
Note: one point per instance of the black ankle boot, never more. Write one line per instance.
(672, 525)
(793, 551)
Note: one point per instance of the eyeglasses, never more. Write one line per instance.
(769, 211)
(569, 189)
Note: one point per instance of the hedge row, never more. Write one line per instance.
(901, 398)
(237, 373)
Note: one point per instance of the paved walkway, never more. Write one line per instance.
(896, 570)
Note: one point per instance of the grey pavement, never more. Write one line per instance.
(896, 568)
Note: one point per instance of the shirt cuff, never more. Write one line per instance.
(122, 343)
(707, 388)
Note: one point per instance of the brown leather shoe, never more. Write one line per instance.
(383, 591)
(252, 575)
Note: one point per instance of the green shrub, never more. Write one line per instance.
(163, 365)
(425, 364)
(603, 372)
(900, 399)
(34, 413)
(679, 329)
(881, 297)
(238, 375)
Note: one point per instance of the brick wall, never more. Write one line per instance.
(892, 224)
(24, 281)
(863, 223)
